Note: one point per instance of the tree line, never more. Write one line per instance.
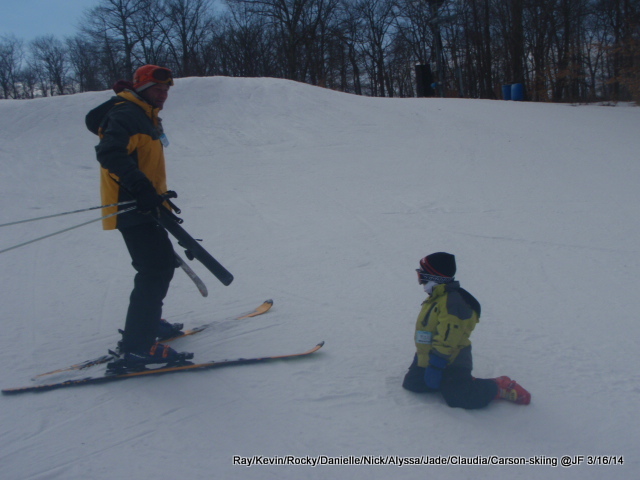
(560, 50)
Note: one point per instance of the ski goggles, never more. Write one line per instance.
(162, 75)
(424, 277)
(149, 75)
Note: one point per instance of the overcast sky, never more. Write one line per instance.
(27, 19)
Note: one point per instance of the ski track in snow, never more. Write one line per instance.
(325, 202)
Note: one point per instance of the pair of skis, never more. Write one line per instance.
(263, 308)
(158, 371)
(193, 250)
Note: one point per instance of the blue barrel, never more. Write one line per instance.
(506, 92)
(517, 92)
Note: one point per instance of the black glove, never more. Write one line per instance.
(146, 197)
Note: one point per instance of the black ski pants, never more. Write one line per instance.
(154, 260)
(458, 387)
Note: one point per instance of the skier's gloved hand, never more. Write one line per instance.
(146, 196)
(433, 373)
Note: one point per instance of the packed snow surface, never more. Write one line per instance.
(325, 202)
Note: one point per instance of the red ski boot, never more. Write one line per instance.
(512, 391)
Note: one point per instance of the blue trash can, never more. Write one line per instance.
(506, 92)
(517, 92)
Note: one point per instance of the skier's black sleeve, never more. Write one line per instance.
(112, 152)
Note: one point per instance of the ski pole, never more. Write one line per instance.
(67, 229)
(66, 213)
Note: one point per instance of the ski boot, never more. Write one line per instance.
(137, 361)
(512, 391)
(165, 332)
(168, 330)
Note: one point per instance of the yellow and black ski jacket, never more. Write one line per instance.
(129, 151)
(444, 325)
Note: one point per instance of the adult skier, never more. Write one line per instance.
(131, 155)
(443, 360)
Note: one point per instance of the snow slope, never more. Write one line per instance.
(325, 202)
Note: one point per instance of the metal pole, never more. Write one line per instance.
(67, 229)
(66, 213)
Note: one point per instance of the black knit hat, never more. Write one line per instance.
(439, 264)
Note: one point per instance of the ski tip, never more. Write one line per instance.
(270, 301)
(321, 344)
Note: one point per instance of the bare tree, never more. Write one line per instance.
(377, 18)
(414, 26)
(350, 25)
(85, 63)
(28, 81)
(321, 20)
(152, 45)
(112, 23)
(11, 57)
(245, 44)
(293, 23)
(50, 56)
(188, 26)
